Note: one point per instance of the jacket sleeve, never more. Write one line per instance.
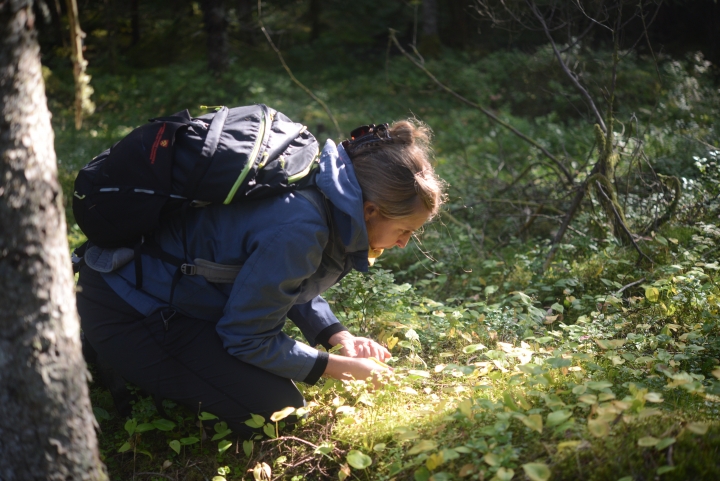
(316, 321)
(281, 258)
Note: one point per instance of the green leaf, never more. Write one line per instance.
(665, 469)
(598, 428)
(422, 446)
(626, 478)
(648, 441)
(599, 385)
(537, 471)
(473, 347)
(224, 445)
(652, 294)
(100, 413)
(505, 474)
(534, 422)
(130, 426)
(491, 459)
(175, 445)
(698, 428)
(124, 447)
(449, 455)
(255, 421)
(664, 443)
(221, 434)
(325, 449)
(248, 448)
(421, 474)
(269, 430)
(205, 416)
(282, 414)
(189, 441)
(558, 417)
(557, 307)
(164, 424)
(358, 459)
(144, 427)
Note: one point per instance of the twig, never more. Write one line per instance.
(579, 195)
(566, 69)
(485, 111)
(292, 77)
(291, 438)
(622, 224)
(628, 286)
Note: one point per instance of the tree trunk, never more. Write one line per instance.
(216, 25)
(47, 429)
(429, 38)
(83, 91)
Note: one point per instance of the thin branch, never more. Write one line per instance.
(291, 438)
(579, 195)
(292, 77)
(485, 111)
(628, 286)
(566, 69)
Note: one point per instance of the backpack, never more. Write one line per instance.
(231, 155)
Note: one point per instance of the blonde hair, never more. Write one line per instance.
(396, 174)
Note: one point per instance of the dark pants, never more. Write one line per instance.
(186, 363)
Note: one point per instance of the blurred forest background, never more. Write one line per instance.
(580, 145)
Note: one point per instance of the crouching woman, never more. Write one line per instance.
(221, 346)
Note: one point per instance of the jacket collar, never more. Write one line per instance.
(336, 180)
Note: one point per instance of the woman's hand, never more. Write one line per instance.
(348, 368)
(358, 347)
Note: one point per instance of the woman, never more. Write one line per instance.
(223, 346)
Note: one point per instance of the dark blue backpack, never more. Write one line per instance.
(231, 155)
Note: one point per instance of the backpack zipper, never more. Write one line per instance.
(262, 133)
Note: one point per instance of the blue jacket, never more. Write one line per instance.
(290, 253)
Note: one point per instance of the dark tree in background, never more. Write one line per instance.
(216, 27)
(47, 429)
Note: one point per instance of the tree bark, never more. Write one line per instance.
(429, 38)
(216, 26)
(47, 429)
(83, 91)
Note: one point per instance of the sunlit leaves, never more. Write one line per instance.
(598, 428)
(698, 428)
(422, 446)
(558, 417)
(282, 414)
(537, 471)
(358, 460)
(647, 441)
(652, 294)
(534, 422)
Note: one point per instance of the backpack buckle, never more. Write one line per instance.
(188, 269)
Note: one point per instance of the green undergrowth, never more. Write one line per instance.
(600, 366)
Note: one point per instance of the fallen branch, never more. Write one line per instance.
(628, 286)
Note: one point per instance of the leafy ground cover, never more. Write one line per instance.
(599, 367)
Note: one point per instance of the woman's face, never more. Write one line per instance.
(384, 233)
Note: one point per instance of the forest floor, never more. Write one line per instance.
(599, 366)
